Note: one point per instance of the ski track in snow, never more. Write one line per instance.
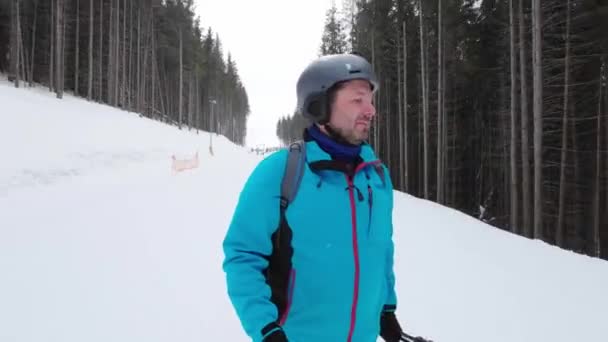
(76, 164)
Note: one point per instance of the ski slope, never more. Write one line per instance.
(101, 241)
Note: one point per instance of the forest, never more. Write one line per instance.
(150, 57)
(496, 108)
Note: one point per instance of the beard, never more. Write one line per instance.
(350, 136)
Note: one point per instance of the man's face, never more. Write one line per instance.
(352, 111)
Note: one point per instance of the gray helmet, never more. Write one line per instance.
(321, 75)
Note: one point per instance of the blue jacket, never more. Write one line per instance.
(331, 276)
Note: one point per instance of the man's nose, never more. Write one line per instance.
(369, 111)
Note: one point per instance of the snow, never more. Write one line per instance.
(101, 241)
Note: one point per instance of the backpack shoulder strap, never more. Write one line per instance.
(294, 169)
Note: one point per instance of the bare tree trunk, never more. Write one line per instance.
(145, 110)
(400, 117)
(77, 46)
(439, 105)
(231, 118)
(373, 133)
(100, 51)
(91, 22)
(22, 55)
(578, 194)
(596, 246)
(197, 107)
(420, 161)
(147, 51)
(425, 107)
(606, 139)
(538, 118)
(181, 71)
(33, 53)
(14, 53)
(453, 176)
(130, 85)
(23, 61)
(111, 61)
(405, 161)
(59, 50)
(52, 48)
(444, 126)
(142, 55)
(116, 75)
(190, 105)
(606, 146)
(154, 80)
(123, 87)
(161, 94)
(211, 128)
(63, 44)
(158, 77)
(387, 126)
(525, 145)
(376, 95)
(559, 234)
(138, 80)
(514, 179)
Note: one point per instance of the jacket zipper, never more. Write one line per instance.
(351, 194)
(353, 312)
(370, 201)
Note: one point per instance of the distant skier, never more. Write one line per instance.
(320, 269)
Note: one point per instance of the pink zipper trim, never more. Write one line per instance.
(353, 312)
(353, 210)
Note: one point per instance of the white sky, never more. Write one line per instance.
(270, 50)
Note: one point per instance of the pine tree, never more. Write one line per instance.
(334, 37)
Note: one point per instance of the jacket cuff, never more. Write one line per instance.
(270, 329)
(389, 308)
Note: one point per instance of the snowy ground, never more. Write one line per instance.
(100, 241)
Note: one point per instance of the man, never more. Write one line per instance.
(322, 270)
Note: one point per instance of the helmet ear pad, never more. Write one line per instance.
(319, 104)
(317, 108)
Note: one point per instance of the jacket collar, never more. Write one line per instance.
(315, 153)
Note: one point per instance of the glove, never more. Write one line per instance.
(276, 336)
(414, 339)
(276, 333)
(390, 330)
